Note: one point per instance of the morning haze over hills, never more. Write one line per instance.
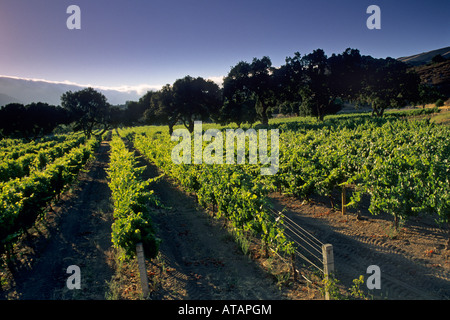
(25, 91)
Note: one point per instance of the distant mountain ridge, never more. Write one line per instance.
(15, 90)
(5, 99)
(435, 74)
(425, 57)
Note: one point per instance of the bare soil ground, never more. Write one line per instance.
(199, 258)
(414, 262)
(76, 231)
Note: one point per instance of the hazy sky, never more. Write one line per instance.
(136, 42)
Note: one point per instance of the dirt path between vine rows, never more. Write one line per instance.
(199, 257)
(414, 263)
(76, 232)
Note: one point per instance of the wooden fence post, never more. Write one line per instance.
(294, 269)
(344, 200)
(328, 264)
(142, 269)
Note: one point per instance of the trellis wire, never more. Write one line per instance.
(303, 239)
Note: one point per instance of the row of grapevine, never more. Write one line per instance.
(231, 190)
(403, 165)
(15, 148)
(132, 201)
(11, 167)
(22, 200)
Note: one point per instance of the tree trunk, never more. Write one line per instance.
(378, 111)
(294, 269)
(374, 109)
(396, 220)
(321, 117)
(105, 128)
(191, 126)
(171, 124)
(264, 118)
(344, 200)
(320, 113)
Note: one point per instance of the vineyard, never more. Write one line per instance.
(403, 166)
(362, 166)
(32, 175)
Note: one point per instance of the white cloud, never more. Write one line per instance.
(140, 89)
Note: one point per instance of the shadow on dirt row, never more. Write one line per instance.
(203, 260)
(403, 276)
(77, 232)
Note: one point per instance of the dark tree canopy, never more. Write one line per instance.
(315, 84)
(88, 108)
(162, 109)
(428, 94)
(187, 100)
(196, 99)
(134, 110)
(438, 58)
(346, 74)
(387, 83)
(31, 121)
(317, 89)
(248, 86)
(238, 99)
